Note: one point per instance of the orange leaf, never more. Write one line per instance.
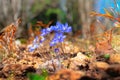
(107, 15)
(40, 23)
(104, 47)
(107, 12)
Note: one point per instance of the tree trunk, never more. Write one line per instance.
(85, 7)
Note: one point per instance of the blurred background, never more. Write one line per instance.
(75, 12)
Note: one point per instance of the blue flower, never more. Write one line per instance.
(53, 42)
(58, 38)
(61, 28)
(32, 48)
(43, 39)
(46, 31)
(56, 50)
(35, 40)
(35, 44)
(66, 28)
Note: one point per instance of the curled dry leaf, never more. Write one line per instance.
(7, 36)
(70, 48)
(66, 74)
(79, 60)
(101, 65)
(104, 47)
(114, 58)
(16, 69)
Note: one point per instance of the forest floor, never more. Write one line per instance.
(78, 59)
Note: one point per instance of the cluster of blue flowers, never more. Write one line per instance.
(59, 30)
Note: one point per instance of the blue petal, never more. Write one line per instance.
(31, 49)
(69, 29)
(43, 32)
(43, 39)
(56, 50)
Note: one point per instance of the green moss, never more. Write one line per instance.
(106, 56)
